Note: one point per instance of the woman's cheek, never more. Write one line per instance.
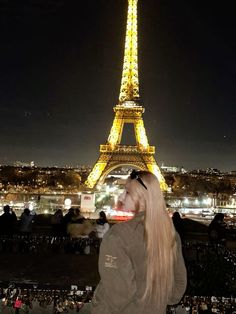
(129, 204)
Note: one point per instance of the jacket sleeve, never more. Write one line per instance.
(180, 275)
(117, 285)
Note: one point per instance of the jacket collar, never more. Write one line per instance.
(139, 216)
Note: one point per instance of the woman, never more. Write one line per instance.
(78, 226)
(102, 225)
(26, 222)
(140, 264)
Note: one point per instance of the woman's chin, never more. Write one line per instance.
(124, 209)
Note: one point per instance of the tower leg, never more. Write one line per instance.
(154, 168)
(96, 172)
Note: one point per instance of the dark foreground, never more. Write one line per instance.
(65, 280)
(46, 267)
(49, 269)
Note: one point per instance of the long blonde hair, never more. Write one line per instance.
(159, 235)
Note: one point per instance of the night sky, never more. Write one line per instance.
(60, 73)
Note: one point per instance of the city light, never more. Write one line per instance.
(67, 203)
(207, 201)
(186, 201)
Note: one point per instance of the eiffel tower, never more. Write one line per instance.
(128, 110)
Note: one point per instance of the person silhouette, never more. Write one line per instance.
(102, 225)
(216, 229)
(7, 221)
(26, 222)
(179, 224)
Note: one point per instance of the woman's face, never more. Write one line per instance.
(127, 201)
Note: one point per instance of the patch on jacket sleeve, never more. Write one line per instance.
(110, 261)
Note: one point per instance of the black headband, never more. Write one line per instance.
(136, 175)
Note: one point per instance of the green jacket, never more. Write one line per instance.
(122, 268)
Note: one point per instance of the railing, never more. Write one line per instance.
(35, 298)
(127, 149)
(210, 267)
(55, 244)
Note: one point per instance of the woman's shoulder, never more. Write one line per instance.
(123, 229)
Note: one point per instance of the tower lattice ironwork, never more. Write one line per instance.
(128, 110)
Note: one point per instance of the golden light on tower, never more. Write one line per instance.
(129, 89)
(128, 110)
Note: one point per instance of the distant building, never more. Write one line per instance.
(24, 164)
(208, 171)
(212, 171)
(173, 169)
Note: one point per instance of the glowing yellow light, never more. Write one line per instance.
(129, 83)
(95, 174)
(114, 137)
(156, 170)
(141, 134)
(127, 111)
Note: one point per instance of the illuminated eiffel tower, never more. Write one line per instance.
(128, 110)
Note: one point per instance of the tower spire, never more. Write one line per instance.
(129, 90)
